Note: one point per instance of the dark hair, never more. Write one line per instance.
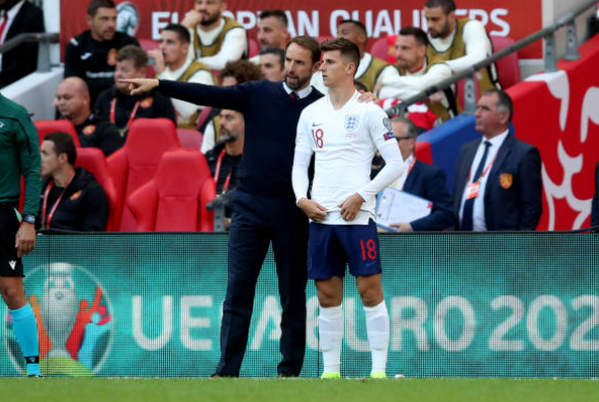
(63, 144)
(447, 5)
(278, 14)
(504, 101)
(280, 53)
(181, 31)
(356, 23)
(411, 129)
(94, 5)
(309, 43)
(417, 33)
(241, 70)
(348, 50)
(134, 53)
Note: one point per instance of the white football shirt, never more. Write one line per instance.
(344, 142)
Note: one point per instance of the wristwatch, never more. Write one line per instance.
(29, 219)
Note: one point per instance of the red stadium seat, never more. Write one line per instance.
(45, 127)
(94, 161)
(254, 48)
(380, 49)
(136, 163)
(175, 199)
(190, 139)
(323, 38)
(204, 115)
(508, 68)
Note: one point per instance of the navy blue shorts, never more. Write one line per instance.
(10, 264)
(332, 247)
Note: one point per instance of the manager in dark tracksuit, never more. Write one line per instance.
(263, 204)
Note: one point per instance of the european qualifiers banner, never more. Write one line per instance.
(461, 304)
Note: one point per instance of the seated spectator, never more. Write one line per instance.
(595, 206)
(272, 31)
(497, 182)
(73, 103)
(118, 106)
(216, 39)
(272, 64)
(459, 42)
(72, 199)
(18, 17)
(225, 157)
(91, 55)
(235, 72)
(372, 72)
(171, 63)
(423, 180)
(417, 73)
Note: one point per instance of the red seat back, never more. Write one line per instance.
(94, 161)
(135, 164)
(45, 127)
(149, 44)
(175, 199)
(190, 139)
(508, 68)
(254, 48)
(380, 49)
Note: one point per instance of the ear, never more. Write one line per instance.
(316, 66)
(185, 48)
(89, 19)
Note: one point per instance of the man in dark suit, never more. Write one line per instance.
(595, 207)
(497, 182)
(17, 17)
(421, 179)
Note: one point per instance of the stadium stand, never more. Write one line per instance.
(175, 199)
(136, 163)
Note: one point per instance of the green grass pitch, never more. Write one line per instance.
(291, 390)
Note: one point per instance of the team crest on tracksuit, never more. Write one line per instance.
(351, 122)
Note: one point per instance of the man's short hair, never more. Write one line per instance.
(133, 53)
(309, 43)
(63, 144)
(348, 49)
(278, 14)
(242, 71)
(411, 129)
(94, 5)
(447, 5)
(417, 33)
(181, 31)
(504, 101)
(280, 53)
(361, 26)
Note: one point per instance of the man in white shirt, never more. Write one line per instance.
(171, 63)
(497, 183)
(344, 135)
(372, 71)
(460, 42)
(215, 39)
(417, 72)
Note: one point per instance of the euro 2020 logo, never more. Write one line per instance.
(74, 318)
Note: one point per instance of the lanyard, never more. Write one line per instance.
(131, 118)
(46, 220)
(217, 171)
(484, 173)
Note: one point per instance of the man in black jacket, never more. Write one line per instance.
(91, 55)
(71, 199)
(18, 17)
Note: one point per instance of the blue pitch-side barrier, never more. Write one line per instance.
(460, 304)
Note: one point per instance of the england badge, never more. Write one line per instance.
(351, 122)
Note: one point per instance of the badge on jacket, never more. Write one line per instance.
(75, 196)
(506, 180)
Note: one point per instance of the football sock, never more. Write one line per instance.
(377, 329)
(25, 329)
(330, 330)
